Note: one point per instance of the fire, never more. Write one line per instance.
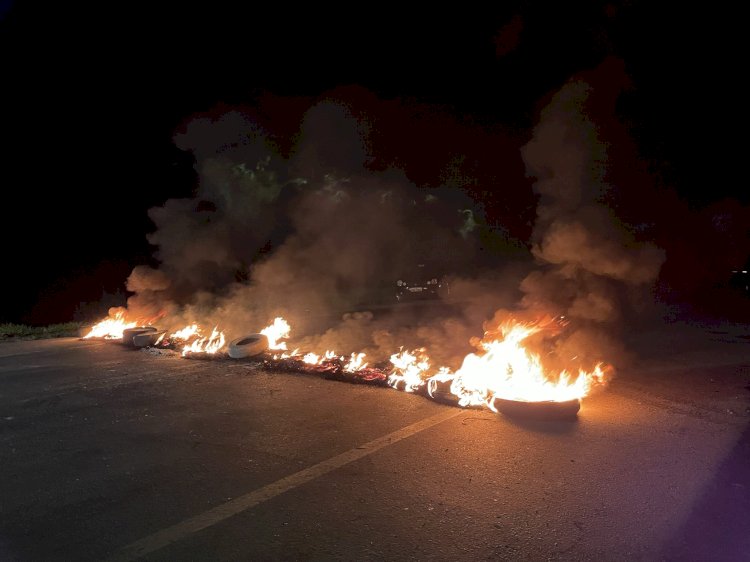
(279, 330)
(356, 363)
(510, 371)
(315, 359)
(291, 355)
(110, 328)
(209, 345)
(506, 369)
(503, 367)
(186, 333)
(311, 358)
(410, 367)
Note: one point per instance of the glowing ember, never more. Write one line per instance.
(186, 333)
(110, 328)
(209, 345)
(277, 331)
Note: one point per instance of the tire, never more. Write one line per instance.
(146, 339)
(546, 410)
(248, 346)
(129, 333)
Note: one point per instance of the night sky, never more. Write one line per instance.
(92, 97)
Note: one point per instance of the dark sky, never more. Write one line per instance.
(91, 98)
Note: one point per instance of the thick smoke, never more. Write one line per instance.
(312, 238)
(318, 238)
(590, 265)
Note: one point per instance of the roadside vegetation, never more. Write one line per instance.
(23, 332)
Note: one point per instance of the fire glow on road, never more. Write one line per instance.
(247, 501)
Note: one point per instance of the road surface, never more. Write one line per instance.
(110, 453)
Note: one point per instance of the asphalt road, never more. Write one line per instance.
(110, 453)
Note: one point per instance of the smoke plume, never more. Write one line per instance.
(317, 237)
(590, 264)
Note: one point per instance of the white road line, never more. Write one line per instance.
(176, 532)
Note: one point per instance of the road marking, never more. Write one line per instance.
(176, 532)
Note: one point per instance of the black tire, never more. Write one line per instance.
(248, 346)
(129, 333)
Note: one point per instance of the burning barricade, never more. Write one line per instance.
(503, 375)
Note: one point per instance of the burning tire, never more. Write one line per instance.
(248, 346)
(129, 333)
(548, 410)
(146, 339)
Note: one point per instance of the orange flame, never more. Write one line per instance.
(279, 330)
(505, 370)
(186, 333)
(209, 345)
(508, 370)
(356, 363)
(315, 359)
(410, 367)
(110, 328)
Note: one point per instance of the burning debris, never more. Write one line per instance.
(208, 345)
(502, 375)
(189, 339)
(111, 328)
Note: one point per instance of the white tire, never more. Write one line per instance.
(129, 333)
(248, 346)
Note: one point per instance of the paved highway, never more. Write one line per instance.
(114, 453)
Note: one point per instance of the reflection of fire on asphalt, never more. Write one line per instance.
(502, 372)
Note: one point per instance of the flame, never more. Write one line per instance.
(315, 359)
(410, 367)
(356, 363)
(279, 330)
(186, 333)
(210, 344)
(503, 367)
(311, 359)
(506, 369)
(292, 355)
(110, 328)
